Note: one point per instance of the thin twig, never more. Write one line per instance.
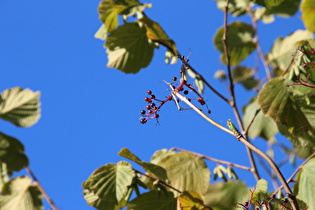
(292, 60)
(215, 160)
(295, 172)
(233, 100)
(40, 187)
(165, 184)
(261, 54)
(251, 122)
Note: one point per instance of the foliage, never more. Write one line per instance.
(283, 103)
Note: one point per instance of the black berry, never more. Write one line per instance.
(186, 92)
(156, 115)
(148, 107)
(142, 112)
(150, 111)
(143, 120)
(152, 97)
(174, 79)
(209, 111)
(146, 99)
(285, 200)
(246, 204)
(153, 105)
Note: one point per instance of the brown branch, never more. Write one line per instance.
(165, 184)
(215, 160)
(40, 187)
(233, 100)
(295, 172)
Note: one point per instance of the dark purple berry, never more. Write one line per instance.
(150, 111)
(246, 204)
(152, 97)
(174, 79)
(201, 101)
(186, 92)
(285, 200)
(142, 112)
(146, 99)
(156, 115)
(177, 100)
(149, 92)
(173, 87)
(189, 99)
(143, 120)
(209, 111)
(148, 107)
(181, 89)
(153, 105)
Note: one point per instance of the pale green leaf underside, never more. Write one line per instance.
(187, 172)
(129, 49)
(20, 194)
(306, 184)
(20, 107)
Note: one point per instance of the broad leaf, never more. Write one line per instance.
(129, 49)
(12, 153)
(108, 15)
(190, 200)
(109, 183)
(153, 200)
(101, 33)
(268, 3)
(226, 196)
(286, 8)
(235, 7)
(20, 107)
(308, 14)
(239, 42)
(157, 34)
(262, 126)
(160, 154)
(283, 49)
(306, 180)
(153, 169)
(21, 194)
(245, 76)
(260, 13)
(260, 192)
(187, 172)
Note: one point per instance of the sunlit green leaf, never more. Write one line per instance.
(187, 172)
(261, 14)
(109, 184)
(12, 153)
(20, 107)
(129, 49)
(160, 154)
(245, 76)
(239, 40)
(153, 200)
(157, 34)
(260, 192)
(268, 3)
(283, 49)
(125, 152)
(308, 14)
(101, 33)
(262, 126)
(198, 80)
(21, 194)
(108, 15)
(190, 200)
(306, 191)
(226, 196)
(235, 7)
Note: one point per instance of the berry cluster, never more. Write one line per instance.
(152, 108)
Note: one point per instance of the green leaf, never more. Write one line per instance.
(153, 200)
(286, 8)
(198, 80)
(160, 154)
(187, 172)
(278, 103)
(109, 183)
(190, 200)
(225, 196)
(129, 49)
(157, 34)
(239, 42)
(260, 13)
(101, 33)
(306, 190)
(235, 7)
(12, 153)
(262, 126)
(245, 76)
(20, 107)
(308, 14)
(283, 49)
(21, 194)
(108, 15)
(268, 3)
(125, 152)
(260, 192)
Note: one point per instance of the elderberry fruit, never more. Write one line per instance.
(149, 92)
(273, 196)
(246, 204)
(150, 111)
(285, 200)
(186, 92)
(156, 115)
(189, 99)
(146, 99)
(142, 112)
(209, 111)
(173, 87)
(174, 79)
(143, 120)
(152, 97)
(148, 107)
(201, 101)
(153, 105)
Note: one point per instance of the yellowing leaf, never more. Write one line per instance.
(190, 200)
(308, 14)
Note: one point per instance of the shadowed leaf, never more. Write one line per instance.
(190, 200)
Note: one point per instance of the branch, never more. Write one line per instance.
(165, 184)
(233, 103)
(51, 203)
(215, 160)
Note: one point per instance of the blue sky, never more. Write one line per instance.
(89, 112)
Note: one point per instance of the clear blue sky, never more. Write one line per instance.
(90, 112)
